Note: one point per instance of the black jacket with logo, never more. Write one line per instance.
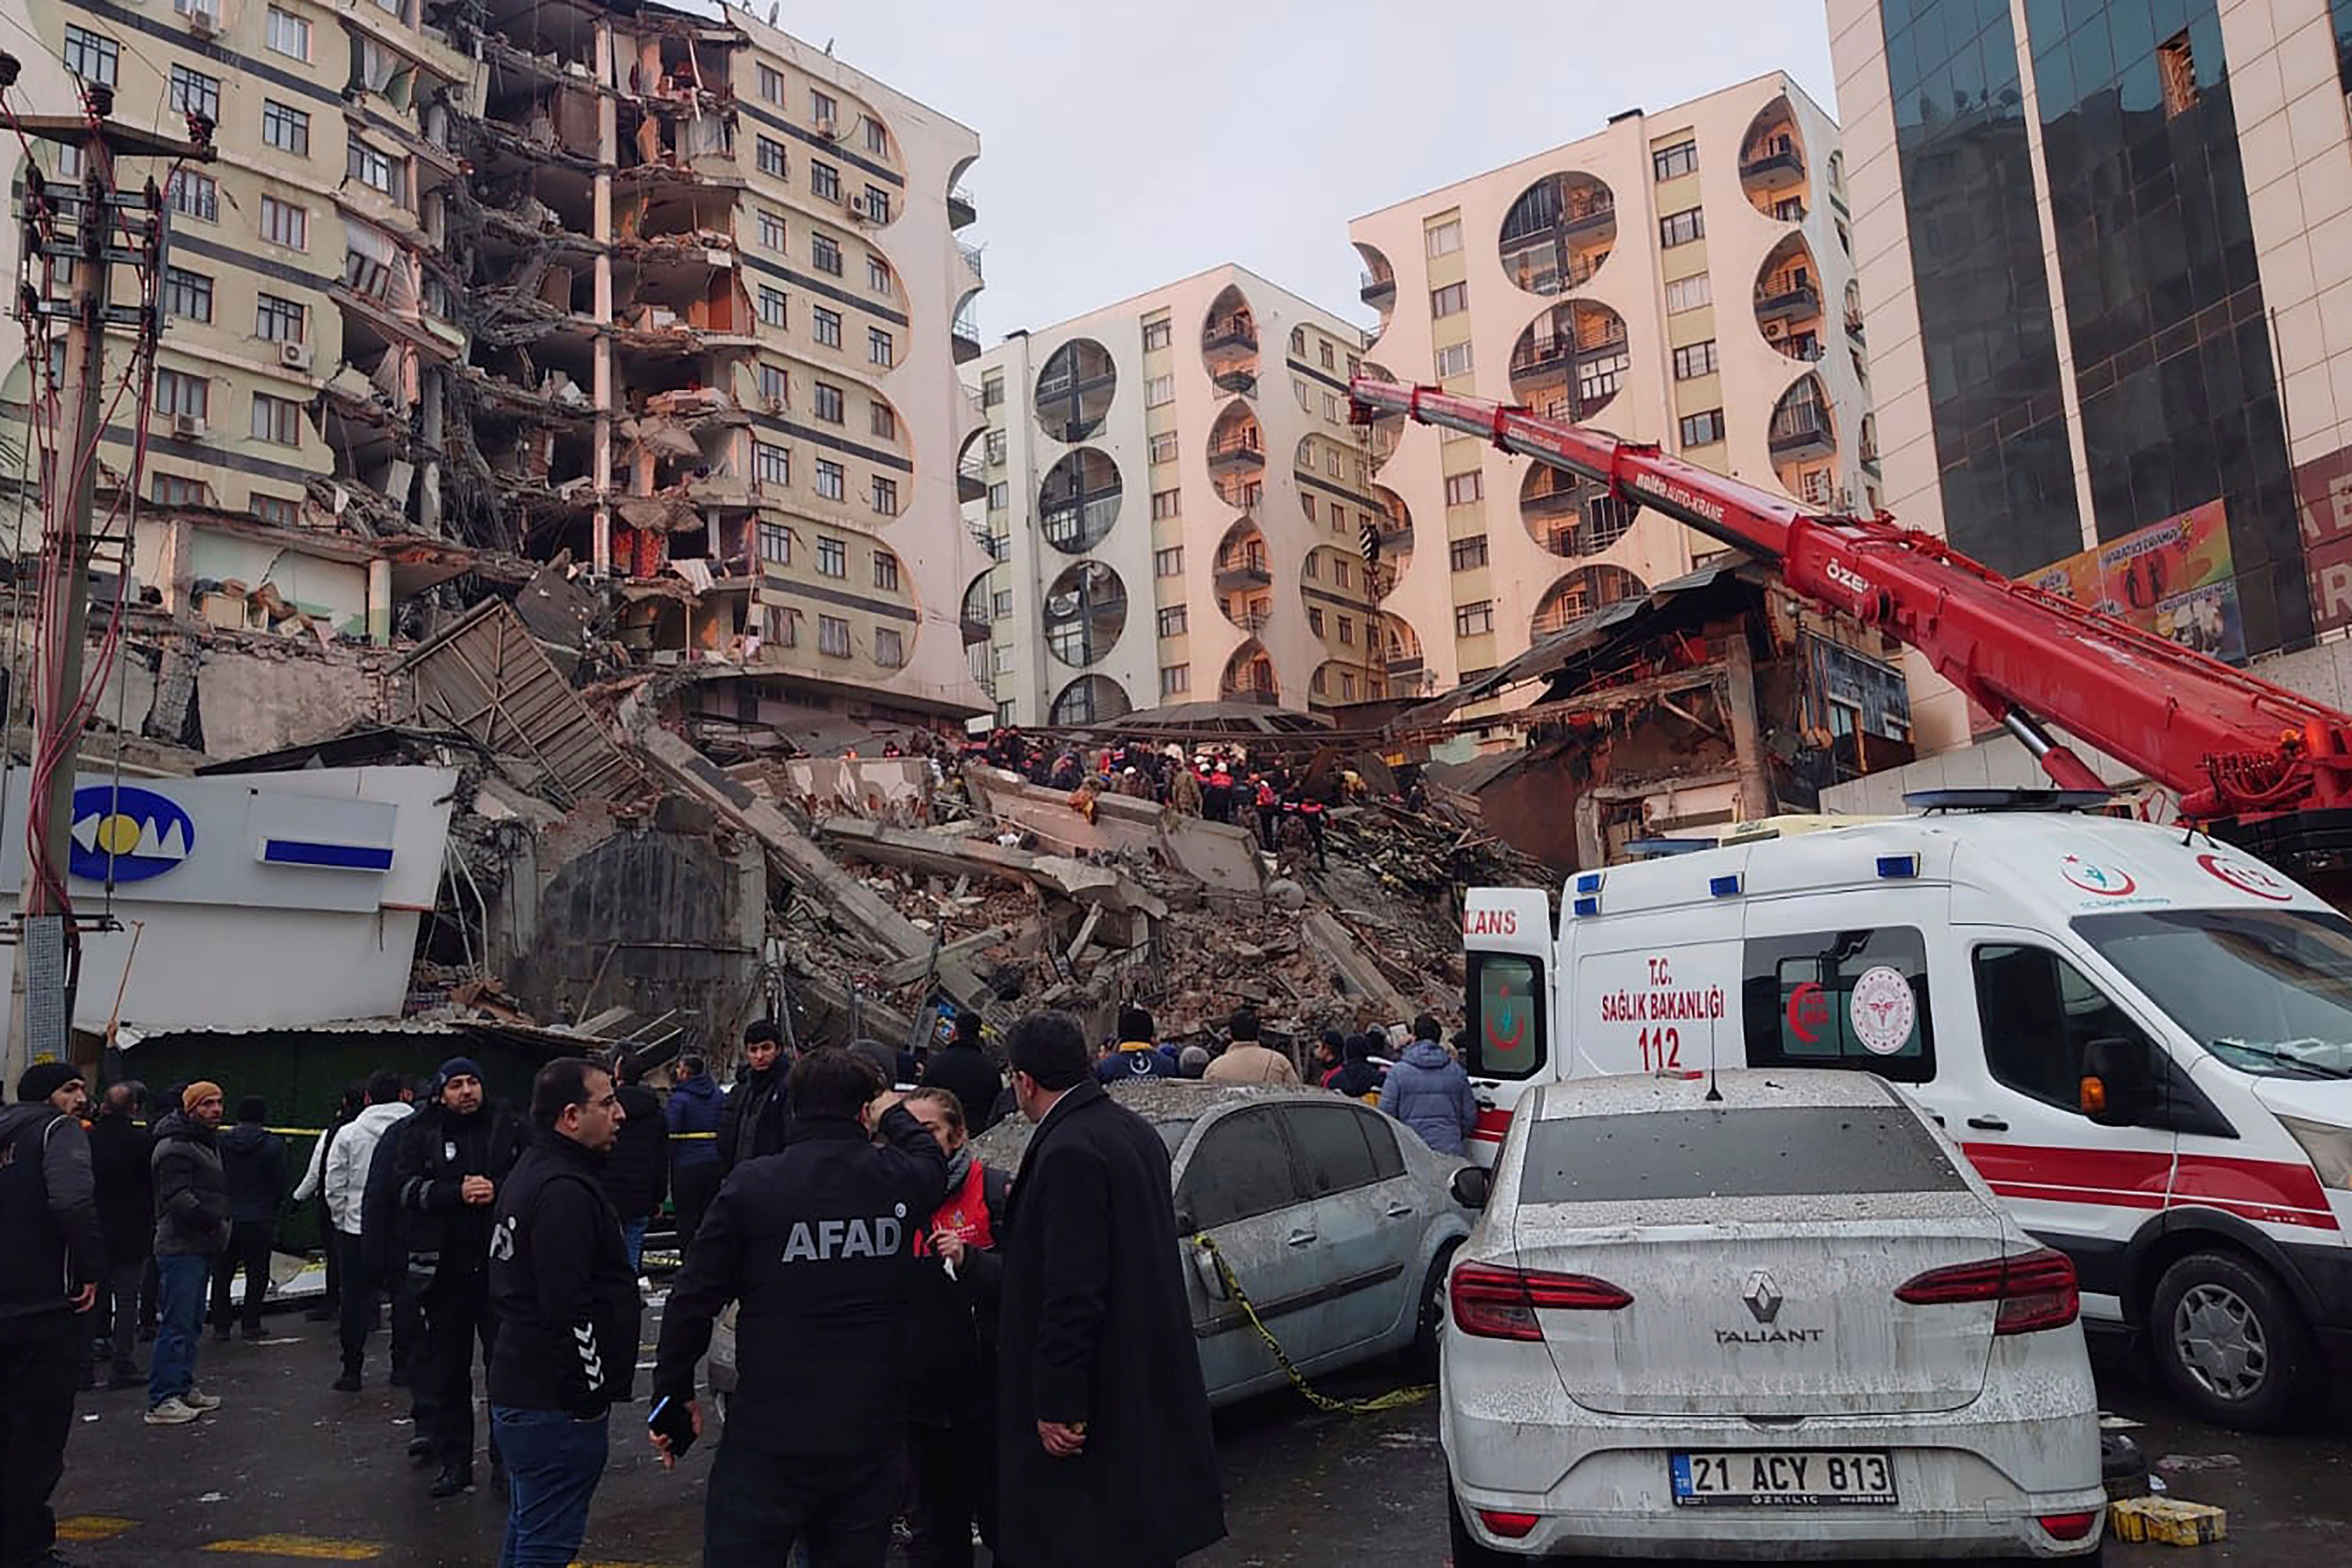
(561, 1286)
(445, 1239)
(818, 1244)
(48, 1211)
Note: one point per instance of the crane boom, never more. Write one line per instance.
(2234, 746)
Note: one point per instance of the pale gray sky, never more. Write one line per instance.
(1125, 144)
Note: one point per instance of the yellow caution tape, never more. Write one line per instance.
(1392, 1400)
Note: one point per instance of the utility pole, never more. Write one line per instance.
(92, 231)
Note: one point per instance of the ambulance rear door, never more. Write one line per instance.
(1509, 953)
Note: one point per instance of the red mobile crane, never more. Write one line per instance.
(2250, 761)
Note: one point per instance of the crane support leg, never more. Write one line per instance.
(2066, 770)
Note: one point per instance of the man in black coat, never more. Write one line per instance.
(119, 1149)
(1104, 1448)
(964, 1068)
(741, 1118)
(636, 1177)
(253, 1159)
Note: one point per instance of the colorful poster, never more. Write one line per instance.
(2171, 578)
(2323, 489)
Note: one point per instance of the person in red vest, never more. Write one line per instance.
(1217, 791)
(951, 1349)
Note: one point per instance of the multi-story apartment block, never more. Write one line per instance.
(1173, 510)
(1684, 277)
(671, 300)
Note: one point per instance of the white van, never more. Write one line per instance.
(2142, 1040)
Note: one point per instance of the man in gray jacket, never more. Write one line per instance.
(48, 1216)
(192, 1226)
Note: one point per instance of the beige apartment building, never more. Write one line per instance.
(1172, 507)
(670, 303)
(1684, 277)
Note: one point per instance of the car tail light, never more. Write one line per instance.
(2068, 1526)
(1510, 1526)
(1501, 1303)
(2036, 1289)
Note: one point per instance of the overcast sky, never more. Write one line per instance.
(1125, 144)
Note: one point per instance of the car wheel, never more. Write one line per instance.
(1429, 1325)
(1468, 1551)
(2231, 1342)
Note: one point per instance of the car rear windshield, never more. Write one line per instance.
(1732, 1152)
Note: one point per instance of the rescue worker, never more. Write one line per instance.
(1269, 809)
(1137, 1055)
(817, 1245)
(1217, 793)
(1311, 811)
(1184, 791)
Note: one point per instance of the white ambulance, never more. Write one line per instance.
(2143, 1041)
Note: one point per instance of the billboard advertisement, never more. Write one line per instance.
(2171, 578)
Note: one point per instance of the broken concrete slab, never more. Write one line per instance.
(1222, 857)
(1074, 879)
(487, 675)
(1361, 975)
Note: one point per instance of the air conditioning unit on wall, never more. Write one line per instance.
(294, 356)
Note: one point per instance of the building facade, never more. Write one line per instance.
(673, 303)
(1173, 510)
(2108, 257)
(1684, 278)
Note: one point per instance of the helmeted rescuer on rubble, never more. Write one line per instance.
(817, 1245)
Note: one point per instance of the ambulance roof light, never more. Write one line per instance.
(2003, 799)
(1724, 887)
(1589, 906)
(1895, 868)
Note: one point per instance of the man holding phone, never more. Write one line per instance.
(817, 1245)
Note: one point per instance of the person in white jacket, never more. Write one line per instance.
(345, 1185)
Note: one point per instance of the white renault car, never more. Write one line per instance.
(1761, 1315)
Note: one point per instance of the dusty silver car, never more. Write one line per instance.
(1337, 1220)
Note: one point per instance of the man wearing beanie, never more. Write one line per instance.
(192, 1228)
(254, 1158)
(48, 1212)
(448, 1162)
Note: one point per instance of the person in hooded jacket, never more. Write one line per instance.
(253, 1158)
(964, 1071)
(118, 1150)
(636, 1176)
(1137, 1054)
(1430, 1092)
(192, 1226)
(1358, 1076)
(696, 1169)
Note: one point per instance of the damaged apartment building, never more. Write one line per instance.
(479, 291)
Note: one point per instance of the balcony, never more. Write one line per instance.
(1239, 380)
(972, 480)
(1801, 432)
(975, 631)
(1557, 496)
(1796, 302)
(1774, 166)
(1377, 290)
(1853, 326)
(1232, 456)
(971, 254)
(1252, 621)
(1263, 696)
(1404, 666)
(1234, 332)
(1239, 571)
(963, 340)
(961, 211)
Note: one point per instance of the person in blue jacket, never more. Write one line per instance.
(1430, 1092)
(695, 1167)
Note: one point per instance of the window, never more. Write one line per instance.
(287, 130)
(1697, 360)
(196, 195)
(1175, 679)
(833, 637)
(1467, 554)
(830, 404)
(1454, 359)
(276, 420)
(772, 305)
(889, 649)
(1167, 504)
(1000, 496)
(1671, 162)
(775, 387)
(1158, 335)
(1169, 563)
(878, 204)
(991, 391)
(881, 420)
(1315, 620)
(771, 157)
(1687, 294)
(772, 465)
(825, 181)
(771, 84)
(775, 539)
(1342, 575)
(2040, 1015)
(1000, 605)
(288, 34)
(824, 254)
(1323, 352)
(878, 138)
(1007, 715)
(1331, 406)
(878, 274)
(1682, 228)
(1506, 1020)
(193, 92)
(827, 327)
(1461, 489)
(1841, 998)
(187, 294)
(832, 483)
(782, 625)
(1474, 620)
(177, 490)
(1160, 391)
(275, 510)
(1174, 621)
(1445, 238)
(993, 446)
(92, 56)
(1332, 1147)
(182, 392)
(879, 349)
(283, 223)
(1347, 631)
(885, 496)
(1672, 1156)
(1450, 300)
(2177, 69)
(1347, 683)
(1311, 569)
(376, 170)
(1164, 446)
(822, 109)
(772, 230)
(1702, 429)
(1331, 461)
(1000, 659)
(832, 557)
(1240, 1170)
(277, 321)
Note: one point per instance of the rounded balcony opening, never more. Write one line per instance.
(1577, 594)
(1229, 342)
(1338, 680)
(1078, 502)
(1090, 700)
(1249, 677)
(1237, 456)
(973, 619)
(1376, 282)
(1570, 515)
(1387, 429)
(1074, 390)
(1086, 611)
(1244, 577)
(1804, 439)
(1558, 233)
(1789, 299)
(1333, 591)
(1570, 361)
(1400, 658)
(1394, 520)
(1772, 164)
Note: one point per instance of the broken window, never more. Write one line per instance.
(275, 510)
(2178, 68)
(374, 266)
(833, 637)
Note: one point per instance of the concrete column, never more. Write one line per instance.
(604, 391)
(379, 602)
(1747, 739)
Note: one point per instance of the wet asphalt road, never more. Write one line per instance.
(289, 1470)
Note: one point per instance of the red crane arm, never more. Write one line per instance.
(2230, 744)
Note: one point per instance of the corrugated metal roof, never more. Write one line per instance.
(538, 1036)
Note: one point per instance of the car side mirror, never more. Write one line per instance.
(2118, 1085)
(1470, 1186)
